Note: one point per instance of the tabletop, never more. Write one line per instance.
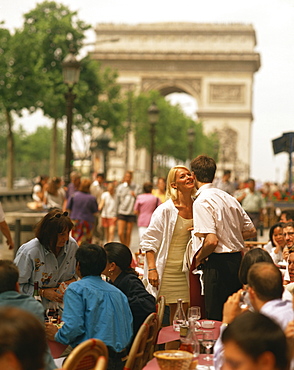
(167, 334)
(56, 348)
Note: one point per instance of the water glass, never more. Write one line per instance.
(194, 313)
(208, 342)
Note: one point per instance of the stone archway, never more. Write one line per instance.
(214, 63)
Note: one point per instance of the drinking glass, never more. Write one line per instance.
(194, 313)
(208, 342)
(51, 312)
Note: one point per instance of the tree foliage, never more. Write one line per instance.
(31, 78)
(98, 101)
(31, 72)
(32, 157)
(54, 29)
(171, 137)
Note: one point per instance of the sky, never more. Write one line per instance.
(273, 21)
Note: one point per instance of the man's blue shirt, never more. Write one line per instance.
(95, 309)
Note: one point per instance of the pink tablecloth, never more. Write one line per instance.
(167, 334)
(56, 348)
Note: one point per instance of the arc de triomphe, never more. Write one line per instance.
(214, 63)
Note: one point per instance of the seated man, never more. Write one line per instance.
(253, 341)
(265, 288)
(287, 216)
(288, 232)
(22, 340)
(10, 296)
(95, 309)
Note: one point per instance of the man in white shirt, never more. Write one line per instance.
(265, 289)
(220, 227)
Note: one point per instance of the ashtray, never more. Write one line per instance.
(207, 324)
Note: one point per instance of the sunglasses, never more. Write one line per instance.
(58, 215)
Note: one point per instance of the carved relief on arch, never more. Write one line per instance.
(228, 153)
(170, 85)
(227, 93)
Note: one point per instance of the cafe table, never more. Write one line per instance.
(56, 348)
(167, 334)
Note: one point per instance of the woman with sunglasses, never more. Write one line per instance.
(49, 258)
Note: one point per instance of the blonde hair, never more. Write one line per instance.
(172, 193)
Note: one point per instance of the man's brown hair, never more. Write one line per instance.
(204, 168)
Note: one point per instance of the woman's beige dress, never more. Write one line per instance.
(174, 282)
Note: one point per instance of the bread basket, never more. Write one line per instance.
(173, 359)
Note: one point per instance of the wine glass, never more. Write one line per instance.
(194, 313)
(208, 342)
(51, 312)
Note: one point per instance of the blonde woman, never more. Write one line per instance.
(166, 238)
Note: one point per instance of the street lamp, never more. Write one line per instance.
(71, 74)
(153, 114)
(101, 143)
(191, 139)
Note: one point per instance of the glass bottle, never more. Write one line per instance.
(179, 317)
(189, 341)
(36, 292)
(185, 338)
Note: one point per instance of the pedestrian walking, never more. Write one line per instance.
(126, 193)
(145, 205)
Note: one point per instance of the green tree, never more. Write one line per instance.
(31, 75)
(33, 155)
(17, 85)
(55, 29)
(171, 129)
(98, 101)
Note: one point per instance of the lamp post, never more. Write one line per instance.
(101, 143)
(191, 138)
(71, 74)
(153, 114)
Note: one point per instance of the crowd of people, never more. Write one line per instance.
(99, 209)
(192, 230)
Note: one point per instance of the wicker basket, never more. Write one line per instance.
(173, 359)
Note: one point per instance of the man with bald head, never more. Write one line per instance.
(265, 289)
